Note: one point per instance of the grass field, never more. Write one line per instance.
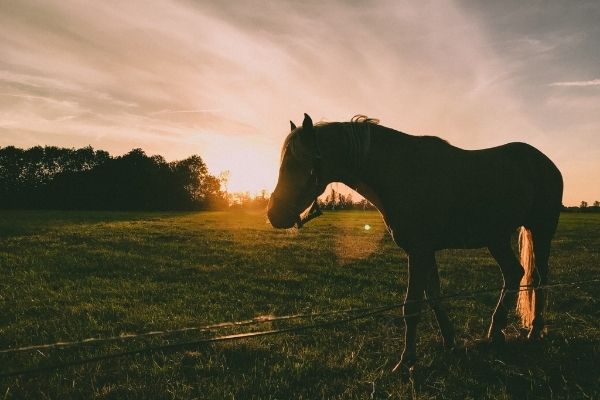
(75, 275)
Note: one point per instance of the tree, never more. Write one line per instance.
(200, 188)
(224, 180)
(331, 200)
(11, 175)
(52, 177)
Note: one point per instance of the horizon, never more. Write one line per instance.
(178, 78)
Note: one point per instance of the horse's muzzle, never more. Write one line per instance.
(281, 219)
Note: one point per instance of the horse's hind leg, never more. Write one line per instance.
(512, 271)
(432, 292)
(541, 248)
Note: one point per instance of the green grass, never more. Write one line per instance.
(74, 275)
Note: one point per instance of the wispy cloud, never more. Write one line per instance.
(593, 82)
(208, 71)
(208, 110)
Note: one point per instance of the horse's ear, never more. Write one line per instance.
(307, 134)
(293, 126)
(307, 123)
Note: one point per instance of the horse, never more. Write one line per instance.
(433, 196)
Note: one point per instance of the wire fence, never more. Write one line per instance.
(352, 314)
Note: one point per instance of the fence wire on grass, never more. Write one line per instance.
(360, 313)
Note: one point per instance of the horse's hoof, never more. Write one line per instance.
(497, 340)
(406, 367)
(535, 336)
(406, 371)
(449, 344)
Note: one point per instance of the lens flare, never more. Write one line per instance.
(367, 227)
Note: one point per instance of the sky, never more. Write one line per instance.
(223, 79)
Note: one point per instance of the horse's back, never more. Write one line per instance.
(531, 166)
(466, 198)
(547, 183)
(520, 173)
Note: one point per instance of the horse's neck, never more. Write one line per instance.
(356, 152)
(358, 143)
(351, 143)
(374, 175)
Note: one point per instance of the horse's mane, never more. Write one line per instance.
(357, 119)
(361, 118)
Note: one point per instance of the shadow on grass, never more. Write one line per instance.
(239, 372)
(552, 368)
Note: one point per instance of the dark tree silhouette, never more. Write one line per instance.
(59, 178)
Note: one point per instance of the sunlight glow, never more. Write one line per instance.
(252, 164)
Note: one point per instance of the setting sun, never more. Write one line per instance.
(251, 163)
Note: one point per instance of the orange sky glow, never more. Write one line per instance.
(223, 79)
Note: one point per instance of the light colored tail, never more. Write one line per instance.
(526, 300)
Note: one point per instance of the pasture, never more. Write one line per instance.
(75, 275)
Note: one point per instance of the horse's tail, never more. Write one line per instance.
(526, 299)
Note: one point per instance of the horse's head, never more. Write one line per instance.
(300, 177)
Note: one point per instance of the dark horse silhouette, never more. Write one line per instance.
(433, 196)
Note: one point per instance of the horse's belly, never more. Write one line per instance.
(441, 237)
(462, 240)
(474, 233)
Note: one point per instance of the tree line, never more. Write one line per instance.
(584, 207)
(335, 200)
(86, 179)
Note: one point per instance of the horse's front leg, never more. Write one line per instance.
(432, 292)
(420, 264)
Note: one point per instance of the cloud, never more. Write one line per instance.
(593, 82)
(213, 110)
(263, 64)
